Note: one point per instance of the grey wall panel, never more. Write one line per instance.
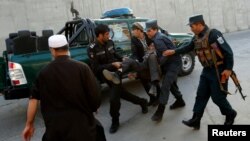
(225, 15)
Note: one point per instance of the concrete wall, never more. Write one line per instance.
(225, 15)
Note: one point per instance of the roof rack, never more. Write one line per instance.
(118, 13)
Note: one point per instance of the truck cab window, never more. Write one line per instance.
(119, 32)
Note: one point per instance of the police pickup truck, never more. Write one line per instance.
(26, 53)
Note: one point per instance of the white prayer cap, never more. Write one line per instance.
(57, 41)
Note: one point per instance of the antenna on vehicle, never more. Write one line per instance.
(74, 12)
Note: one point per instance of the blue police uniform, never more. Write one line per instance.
(170, 67)
(215, 55)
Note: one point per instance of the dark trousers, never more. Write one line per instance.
(100, 134)
(209, 87)
(169, 81)
(146, 83)
(149, 64)
(69, 125)
(118, 92)
(149, 71)
(174, 89)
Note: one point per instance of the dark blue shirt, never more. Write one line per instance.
(163, 43)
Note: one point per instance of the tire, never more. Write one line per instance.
(188, 63)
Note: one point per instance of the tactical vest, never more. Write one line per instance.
(209, 55)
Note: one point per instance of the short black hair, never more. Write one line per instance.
(155, 27)
(101, 29)
(200, 22)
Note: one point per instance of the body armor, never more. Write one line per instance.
(209, 55)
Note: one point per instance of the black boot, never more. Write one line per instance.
(177, 104)
(114, 126)
(153, 100)
(159, 113)
(230, 118)
(144, 106)
(193, 122)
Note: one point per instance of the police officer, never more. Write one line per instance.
(102, 56)
(69, 95)
(143, 61)
(216, 57)
(170, 68)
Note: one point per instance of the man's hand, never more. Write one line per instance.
(168, 52)
(28, 132)
(226, 73)
(117, 64)
(132, 76)
(29, 128)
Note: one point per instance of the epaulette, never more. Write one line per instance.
(92, 45)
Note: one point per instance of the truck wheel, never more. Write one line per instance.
(188, 63)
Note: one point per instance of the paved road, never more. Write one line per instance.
(138, 127)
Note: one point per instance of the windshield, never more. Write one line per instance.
(119, 32)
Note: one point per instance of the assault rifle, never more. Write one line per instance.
(237, 84)
(233, 77)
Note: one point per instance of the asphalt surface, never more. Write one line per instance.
(136, 126)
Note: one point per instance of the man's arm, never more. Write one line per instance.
(133, 52)
(31, 113)
(184, 49)
(217, 37)
(95, 65)
(162, 45)
(91, 88)
(32, 109)
(133, 49)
